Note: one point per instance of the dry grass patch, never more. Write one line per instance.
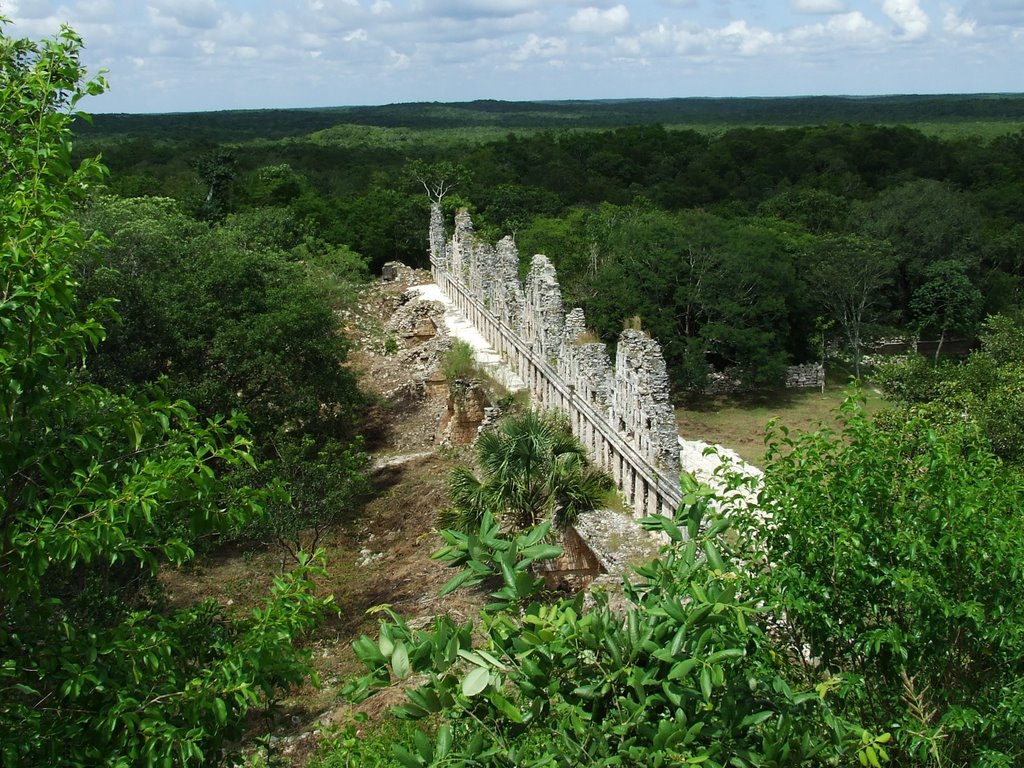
(738, 421)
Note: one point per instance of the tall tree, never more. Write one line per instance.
(947, 300)
(241, 324)
(893, 556)
(848, 276)
(216, 170)
(98, 490)
(925, 221)
(438, 179)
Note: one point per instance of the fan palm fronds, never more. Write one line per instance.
(532, 469)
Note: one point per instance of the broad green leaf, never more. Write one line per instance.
(475, 682)
(400, 661)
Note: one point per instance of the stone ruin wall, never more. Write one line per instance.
(621, 412)
(806, 376)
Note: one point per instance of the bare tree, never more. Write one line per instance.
(438, 179)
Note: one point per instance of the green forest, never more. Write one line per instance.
(175, 379)
(725, 241)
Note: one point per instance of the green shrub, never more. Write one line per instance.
(359, 744)
(458, 361)
(896, 556)
(685, 674)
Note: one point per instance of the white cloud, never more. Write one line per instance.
(817, 6)
(843, 29)
(407, 31)
(698, 43)
(194, 14)
(537, 47)
(199, 52)
(95, 10)
(908, 16)
(1006, 13)
(852, 25)
(399, 61)
(595, 21)
(245, 29)
(954, 25)
(311, 40)
(746, 40)
(664, 40)
(471, 9)
(27, 9)
(159, 46)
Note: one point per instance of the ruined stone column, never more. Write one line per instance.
(642, 401)
(438, 242)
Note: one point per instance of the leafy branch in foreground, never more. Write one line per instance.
(98, 490)
(895, 554)
(683, 674)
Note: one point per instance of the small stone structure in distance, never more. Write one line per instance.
(621, 412)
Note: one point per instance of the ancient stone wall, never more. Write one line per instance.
(806, 376)
(622, 412)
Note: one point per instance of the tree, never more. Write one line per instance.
(324, 480)
(816, 210)
(438, 179)
(947, 300)
(893, 556)
(383, 225)
(848, 275)
(509, 207)
(216, 170)
(533, 470)
(99, 489)
(986, 389)
(925, 221)
(714, 292)
(231, 320)
(273, 185)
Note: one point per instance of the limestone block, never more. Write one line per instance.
(592, 374)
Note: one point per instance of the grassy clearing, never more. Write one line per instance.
(738, 421)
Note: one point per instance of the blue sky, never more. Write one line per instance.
(184, 55)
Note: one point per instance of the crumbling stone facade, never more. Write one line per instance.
(623, 412)
(806, 376)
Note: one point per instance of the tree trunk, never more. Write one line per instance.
(855, 344)
(938, 349)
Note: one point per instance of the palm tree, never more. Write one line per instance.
(532, 469)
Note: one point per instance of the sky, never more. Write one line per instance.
(197, 55)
